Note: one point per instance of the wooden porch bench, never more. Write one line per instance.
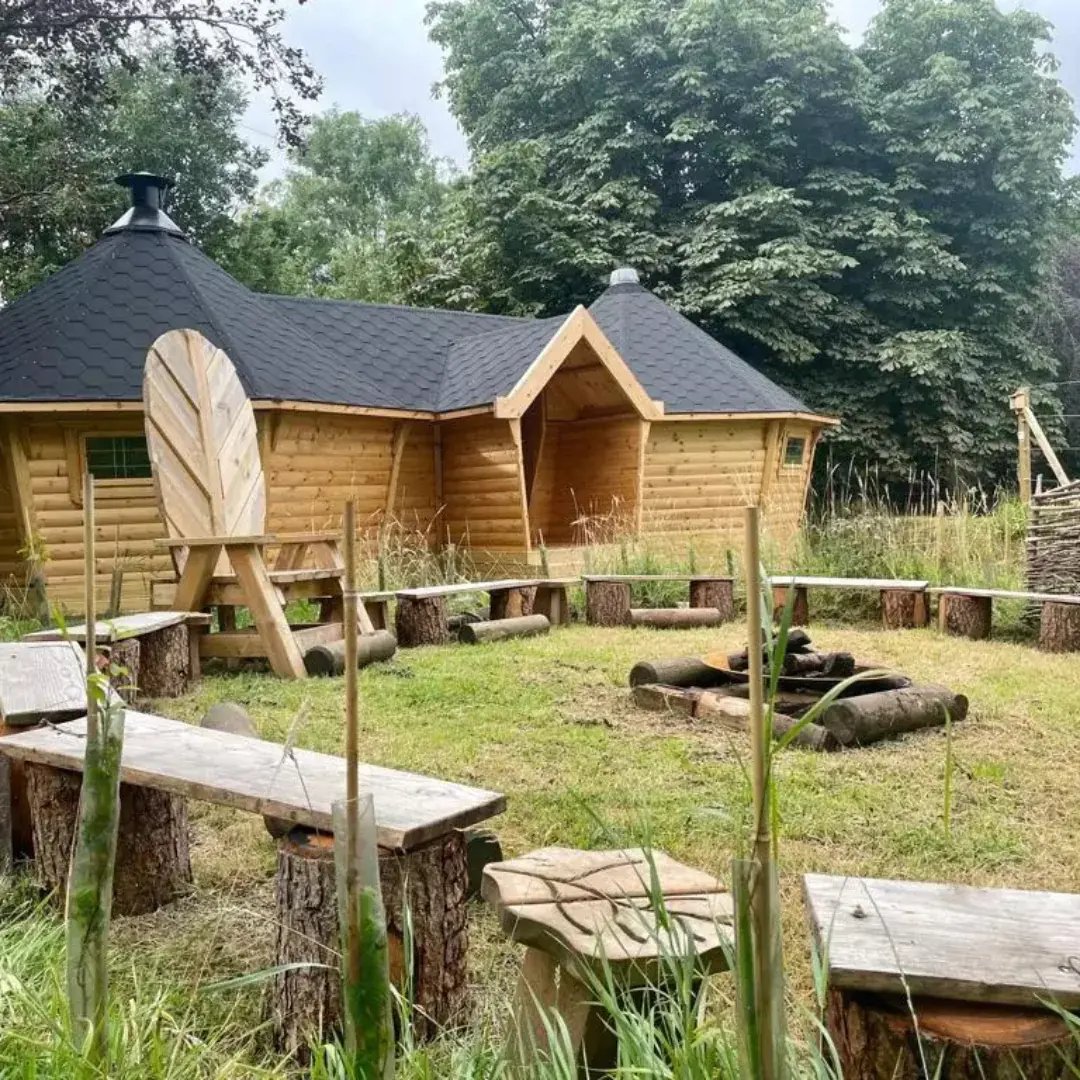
(607, 601)
(418, 818)
(969, 613)
(904, 604)
(421, 613)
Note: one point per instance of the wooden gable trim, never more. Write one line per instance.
(523, 495)
(579, 326)
(810, 418)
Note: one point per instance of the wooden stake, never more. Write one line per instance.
(352, 783)
(1020, 403)
(1035, 427)
(90, 600)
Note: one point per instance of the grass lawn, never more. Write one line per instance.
(548, 721)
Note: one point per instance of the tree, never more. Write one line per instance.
(342, 221)
(841, 217)
(69, 48)
(57, 165)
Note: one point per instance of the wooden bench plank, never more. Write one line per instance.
(216, 541)
(878, 584)
(655, 577)
(123, 626)
(1007, 594)
(255, 775)
(430, 591)
(1009, 946)
(41, 680)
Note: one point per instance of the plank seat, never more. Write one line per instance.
(430, 591)
(801, 581)
(123, 627)
(284, 577)
(1006, 594)
(607, 600)
(261, 777)
(215, 541)
(904, 602)
(631, 578)
(41, 680)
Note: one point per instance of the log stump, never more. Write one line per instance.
(421, 620)
(166, 668)
(716, 593)
(20, 825)
(123, 667)
(965, 616)
(429, 883)
(511, 603)
(876, 1039)
(552, 601)
(153, 862)
(675, 618)
(607, 603)
(800, 613)
(904, 609)
(1059, 627)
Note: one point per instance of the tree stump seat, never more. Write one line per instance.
(583, 913)
(904, 604)
(968, 613)
(607, 600)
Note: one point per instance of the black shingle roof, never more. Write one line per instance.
(82, 335)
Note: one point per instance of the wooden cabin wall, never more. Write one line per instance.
(481, 485)
(587, 472)
(785, 501)
(126, 512)
(11, 540)
(315, 461)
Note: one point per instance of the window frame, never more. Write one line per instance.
(84, 447)
(790, 440)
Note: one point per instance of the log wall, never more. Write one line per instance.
(481, 485)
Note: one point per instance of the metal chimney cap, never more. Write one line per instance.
(145, 214)
(624, 275)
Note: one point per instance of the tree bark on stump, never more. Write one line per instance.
(511, 603)
(800, 613)
(965, 616)
(165, 668)
(124, 658)
(904, 609)
(607, 603)
(153, 861)
(21, 825)
(421, 620)
(876, 1039)
(716, 593)
(1059, 627)
(306, 1002)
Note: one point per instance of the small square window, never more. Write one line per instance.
(123, 457)
(794, 451)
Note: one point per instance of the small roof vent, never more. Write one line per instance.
(624, 275)
(145, 214)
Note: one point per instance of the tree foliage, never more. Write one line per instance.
(57, 164)
(870, 225)
(342, 221)
(69, 48)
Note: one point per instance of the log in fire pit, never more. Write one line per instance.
(716, 688)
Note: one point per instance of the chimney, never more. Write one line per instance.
(624, 275)
(145, 214)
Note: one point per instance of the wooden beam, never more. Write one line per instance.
(73, 462)
(397, 450)
(1020, 404)
(1044, 445)
(772, 459)
(17, 466)
(523, 495)
(639, 510)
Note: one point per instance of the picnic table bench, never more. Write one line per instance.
(421, 612)
(157, 650)
(968, 612)
(976, 966)
(904, 603)
(418, 818)
(607, 601)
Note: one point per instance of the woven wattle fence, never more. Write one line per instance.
(1053, 540)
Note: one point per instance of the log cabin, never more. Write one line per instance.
(512, 437)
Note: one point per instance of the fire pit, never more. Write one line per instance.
(715, 688)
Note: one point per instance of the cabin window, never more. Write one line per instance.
(119, 457)
(794, 452)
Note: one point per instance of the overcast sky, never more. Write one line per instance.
(375, 57)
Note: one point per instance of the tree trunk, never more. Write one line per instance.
(502, 629)
(511, 603)
(800, 614)
(306, 1002)
(904, 609)
(866, 718)
(674, 618)
(330, 659)
(876, 1039)
(421, 620)
(1059, 627)
(165, 668)
(965, 616)
(153, 863)
(607, 603)
(716, 593)
(124, 663)
(678, 671)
